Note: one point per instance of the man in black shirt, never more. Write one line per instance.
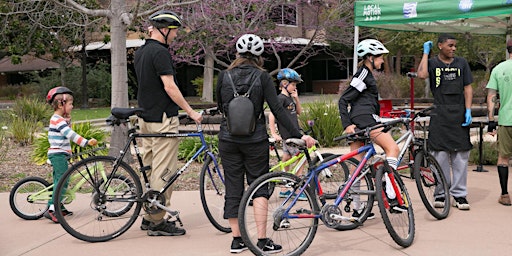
(161, 98)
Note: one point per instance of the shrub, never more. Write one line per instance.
(198, 82)
(189, 146)
(398, 86)
(26, 118)
(85, 129)
(489, 156)
(327, 124)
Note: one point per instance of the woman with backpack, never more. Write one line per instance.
(247, 154)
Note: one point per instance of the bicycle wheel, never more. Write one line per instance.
(398, 217)
(359, 199)
(212, 191)
(331, 179)
(431, 183)
(293, 234)
(105, 199)
(29, 198)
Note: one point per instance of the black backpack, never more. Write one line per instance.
(241, 119)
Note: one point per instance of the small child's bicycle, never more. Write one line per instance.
(29, 197)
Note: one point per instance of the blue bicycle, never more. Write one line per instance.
(293, 223)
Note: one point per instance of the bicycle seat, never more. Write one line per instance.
(124, 113)
(296, 142)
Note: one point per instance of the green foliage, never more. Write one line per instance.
(327, 121)
(398, 86)
(4, 148)
(490, 153)
(26, 118)
(189, 146)
(199, 81)
(98, 82)
(85, 129)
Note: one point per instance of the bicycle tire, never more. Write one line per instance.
(399, 224)
(430, 179)
(213, 191)
(95, 202)
(359, 199)
(295, 235)
(21, 198)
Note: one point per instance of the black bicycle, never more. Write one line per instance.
(105, 207)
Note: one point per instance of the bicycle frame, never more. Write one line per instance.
(171, 177)
(312, 175)
(299, 158)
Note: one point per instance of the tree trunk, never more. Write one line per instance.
(208, 79)
(119, 70)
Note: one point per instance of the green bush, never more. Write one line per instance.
(398, 86)
(198, 82)
(27, 117)
(4, 148)
(327, 124)
(85, 129)
(489, 156)
(189, 146)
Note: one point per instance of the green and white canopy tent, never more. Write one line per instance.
(492, 17)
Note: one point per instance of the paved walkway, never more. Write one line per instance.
(484, 230)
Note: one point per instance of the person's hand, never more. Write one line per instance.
(277, 137)
(92, 142)
(467, 117)
(350, 129)
(309, 140)
(294, 94)
(196, 116)
(427, 46)
(491, 127)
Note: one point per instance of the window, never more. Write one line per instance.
(330, 70)
(284, 15)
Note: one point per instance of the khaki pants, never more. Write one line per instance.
(162, 155)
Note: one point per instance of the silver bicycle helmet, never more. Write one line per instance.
(370, 46)
(250, 43)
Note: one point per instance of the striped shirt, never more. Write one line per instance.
(60, 136)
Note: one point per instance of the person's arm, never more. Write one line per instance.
(423, 66)
(272, 125)
(491, 103)
(348, 96)
(295, 96)
(174, 92)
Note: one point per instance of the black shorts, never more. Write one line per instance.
(364, 121)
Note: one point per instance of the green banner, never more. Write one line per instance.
(459, 16)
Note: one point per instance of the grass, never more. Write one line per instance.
(90, 114)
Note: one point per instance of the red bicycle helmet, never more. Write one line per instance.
(56, 91)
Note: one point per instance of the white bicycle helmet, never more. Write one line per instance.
(250, 43)
(370, 46)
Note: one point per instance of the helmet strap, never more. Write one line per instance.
(166, 35)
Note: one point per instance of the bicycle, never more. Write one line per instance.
(422, 165)
(90, 222)
(293, 223)
(331, 178)
(29, 197)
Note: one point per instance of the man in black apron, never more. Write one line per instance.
(450, 82)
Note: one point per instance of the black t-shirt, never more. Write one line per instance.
(151, 61)
(291, 111)
(362, 95)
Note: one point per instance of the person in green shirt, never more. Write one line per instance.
(500, 83)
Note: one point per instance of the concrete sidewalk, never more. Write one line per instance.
(484, 230)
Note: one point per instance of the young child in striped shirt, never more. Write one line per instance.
(60, 136)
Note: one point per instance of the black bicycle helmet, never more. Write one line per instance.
(56, 91)
(165, 19)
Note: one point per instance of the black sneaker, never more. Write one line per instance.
(439, 202)
(237, 246)
(145, 224)
(268, 246)
(461, 203)
(395, 207)
(357, 214)
(166, 228)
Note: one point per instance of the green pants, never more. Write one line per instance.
(60, 166)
